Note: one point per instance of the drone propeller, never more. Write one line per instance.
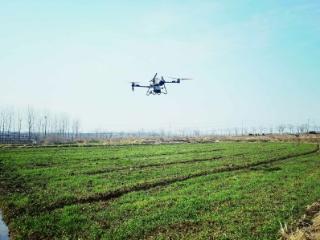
(181, 79)
(133, 84)
(154, 78)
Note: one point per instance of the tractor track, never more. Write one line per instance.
(151, 165)
(76, 160)
(107, 170)
(154, 155)
(115, 169)
(164, 182)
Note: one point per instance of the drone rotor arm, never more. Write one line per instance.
(136, 84)
(171, 82)
(180, 79)
(141, 86)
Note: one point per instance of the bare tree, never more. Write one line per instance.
(236, 131)
(66, 127)
(291, 128)
(2, 124)
(196, 133)
(63, 126)
(302, 128)
(45, 125)
(281, 128)
(262, 130)
(19, 127)
(38, 123)
(271, 130)
(307, 125)
(3, 120)
(75, 128)
(30, 121)
(10, 119)
(55, 126)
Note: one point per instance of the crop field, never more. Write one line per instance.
(226, 190)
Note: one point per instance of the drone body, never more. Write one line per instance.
(157, 86)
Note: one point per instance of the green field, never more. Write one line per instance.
(178, 191)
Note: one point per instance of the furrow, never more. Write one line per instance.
(149, 185)
(115, 169)
(151, 165)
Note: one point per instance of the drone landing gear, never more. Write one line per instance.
(165, 89)
(151, 91)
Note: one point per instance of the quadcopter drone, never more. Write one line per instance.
(157, 86)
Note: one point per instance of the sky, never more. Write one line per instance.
(253, 63)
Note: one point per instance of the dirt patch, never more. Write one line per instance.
(308, 227)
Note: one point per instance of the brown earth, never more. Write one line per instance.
(308, 228)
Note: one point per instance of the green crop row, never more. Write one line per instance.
(154, 191)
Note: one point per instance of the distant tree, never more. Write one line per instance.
(307, 126)
(302, 128)
(213, 132)
(55, 126)
(245, 131)
(10, 120)
(291, 128)
(196, 133)
(64, 126)
(30, 121)
(271, 130)
(236, 131)
(281, 128)
(45, 125)
(38, 123)
(19, 125)
(262, 130)
(109, 136)
(3, 119)
(75, 128)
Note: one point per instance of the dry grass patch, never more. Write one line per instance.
(308, 228)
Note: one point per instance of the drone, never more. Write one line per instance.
(157, 86)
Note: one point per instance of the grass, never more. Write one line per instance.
(191, 191)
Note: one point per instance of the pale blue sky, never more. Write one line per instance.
(253, 62)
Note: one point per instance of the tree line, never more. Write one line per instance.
(34, 124)
(29, 124)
